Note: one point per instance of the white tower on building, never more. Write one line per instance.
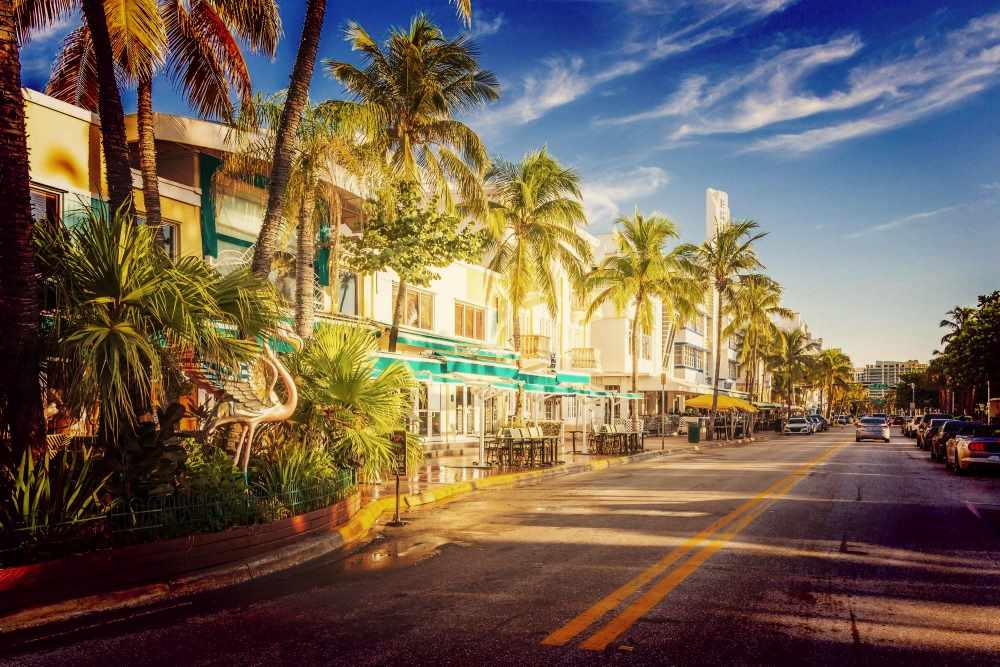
(716, 212)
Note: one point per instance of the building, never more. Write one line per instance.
(883, 375)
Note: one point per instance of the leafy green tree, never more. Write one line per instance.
(753, 311)
(412, 238)
(793, 362)
(833, 367)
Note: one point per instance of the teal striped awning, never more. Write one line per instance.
(478, 367)
(566, 377)
(416, 365)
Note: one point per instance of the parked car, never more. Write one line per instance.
(933, 429)
(816, 423)
(798, 425)
(872, 428)
(922, 425)
(843, 419)
(898, 420)
(976, 444)
(910, 426)
(940, 438)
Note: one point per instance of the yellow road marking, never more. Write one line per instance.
(632, 613)
(606, 604)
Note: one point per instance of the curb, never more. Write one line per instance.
(357, 527)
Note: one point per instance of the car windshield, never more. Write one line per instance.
(978, 430)
(953, 426)
(796, 420)
(872, 421)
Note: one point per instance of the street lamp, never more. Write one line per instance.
(913, 399)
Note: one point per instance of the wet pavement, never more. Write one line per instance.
(807, 550)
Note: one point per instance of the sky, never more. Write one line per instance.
(862, 136)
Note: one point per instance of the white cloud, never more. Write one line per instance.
(991, 187)
(935, 75)
(484, 26)
(604, 197)
(903, 221)
(567, 79)
(57, 28)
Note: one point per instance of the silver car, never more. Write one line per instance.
(872, 428)
(798, 425)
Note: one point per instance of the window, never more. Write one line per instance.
(171, 239)
(735, 342)
(734, 369)
(470, 321)
(645, 346)
(348, 298)
(688, 356)
(44, 204)
(418, 308)
(697, 324)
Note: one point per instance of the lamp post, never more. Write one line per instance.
(913, 399)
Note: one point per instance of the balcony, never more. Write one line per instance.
(585, 358)
(533, 347)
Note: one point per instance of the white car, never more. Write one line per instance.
(798, 425)
(872, 428)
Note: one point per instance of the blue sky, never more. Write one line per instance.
(863, 136)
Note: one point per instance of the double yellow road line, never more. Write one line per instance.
(707, 542)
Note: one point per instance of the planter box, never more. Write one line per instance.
(112, 569)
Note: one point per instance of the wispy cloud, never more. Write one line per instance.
(935, 75)
(57, 28)
(991, 187)
(604, 197)
(566, 79)
(483, 25)
(903, 221)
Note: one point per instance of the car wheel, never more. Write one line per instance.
(857, 439)
(958, 467)
(885, 440)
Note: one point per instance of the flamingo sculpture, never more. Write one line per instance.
(241, 400)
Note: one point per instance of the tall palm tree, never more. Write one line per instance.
(119, 32)
(794, 361)
(720, 264)
(20, 395)
(298, 92)
(533, 220)
(202, 55)
(958, 315)
(834, 368)
(756, 305)
(406, 97)
(634, 275)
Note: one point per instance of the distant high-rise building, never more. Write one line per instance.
(717, 214)
(882, 375)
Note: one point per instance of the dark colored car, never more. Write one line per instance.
(977, 444)
(944, 433)
(898, 420)
(924, 423)
(932, 431)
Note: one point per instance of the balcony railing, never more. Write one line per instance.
(533, 347)
(585, 358)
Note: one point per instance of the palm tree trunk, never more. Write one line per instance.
(718, 365)
(147, 157)
(305, 280)
(20, 394)
(291, 115)
(515, 330)
(338, 213)
(397, 315)
(113, 139)
(633, 343)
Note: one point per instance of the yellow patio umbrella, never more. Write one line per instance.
(704, 401)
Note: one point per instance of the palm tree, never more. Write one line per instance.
(203, 55)
(834, 368)
(720, 264)
(281, 161)
(757, 304)
(406, 96)
(635, 275)
(21, 421)
(322, 145)
(532, 223)
(794, 361)
(345, 405)
(959, 316)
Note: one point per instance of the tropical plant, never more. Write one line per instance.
(793, 362)
(21, 423)
(50, 495)
(721, 264)
(406, 97)
(639, 272)
(346, 406)
(753, 312)
(833, 368)
(298, 92)
(533, 223)
(123, 313)
(411, 238)
(957, 318)
(197, 41)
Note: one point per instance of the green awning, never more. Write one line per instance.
(477, 367)
(415, 364)
(426, 342)
(537, 378)
(565, 377)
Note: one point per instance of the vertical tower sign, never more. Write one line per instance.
(716, 212)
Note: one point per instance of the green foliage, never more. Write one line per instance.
(410, 237)
(46, 498)
(120, 306)
(345, 406)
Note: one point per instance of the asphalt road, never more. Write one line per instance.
(802, 550)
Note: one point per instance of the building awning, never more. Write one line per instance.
(416, 365)
(704, 402)
(567, 377)
(444, 344)
(465, 365)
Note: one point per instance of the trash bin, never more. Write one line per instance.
(694, 433)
